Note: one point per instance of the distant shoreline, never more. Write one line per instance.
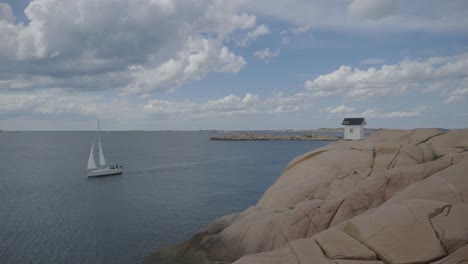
(258, 137)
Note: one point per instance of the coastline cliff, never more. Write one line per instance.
(398, 196)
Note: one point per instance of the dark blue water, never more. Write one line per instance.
(174, 184)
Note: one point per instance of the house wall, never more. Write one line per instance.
(354, 132)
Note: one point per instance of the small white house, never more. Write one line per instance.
(354, 128)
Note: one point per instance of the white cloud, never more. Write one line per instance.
(266, 55)
(458, 95)
(57, 102)
(252, 35)
(51, 102)
(6, 13)
(340, 109)
(394, 80)
(46, 108)
(198, 58)
(283, 103)
(228, 105)
(418, 111)
(231, 105)
(302, 29)
(68, 42)
(294, 31)
(60, 104)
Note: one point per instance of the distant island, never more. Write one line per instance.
(255, 136)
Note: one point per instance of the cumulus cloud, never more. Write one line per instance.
(294, 31)
(266, 55)
(69, 41)
(301, 29)
(284, 103)
(252, 35)
(58, 102)
(6, 13)
(198, 58)
(228, 105)
(394, 80)
(458, 95)
(418, 111)
(232, 105)
(50, 102)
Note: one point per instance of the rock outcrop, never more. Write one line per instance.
(396, 197)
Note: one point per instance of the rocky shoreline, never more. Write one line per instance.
(398, 196)
(255, 136)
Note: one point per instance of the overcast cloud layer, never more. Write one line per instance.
(132, 61)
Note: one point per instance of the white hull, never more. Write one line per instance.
(103, 169)
(103, 172)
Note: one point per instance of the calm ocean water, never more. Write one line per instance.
(174, 184)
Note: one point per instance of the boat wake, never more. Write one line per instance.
(184, 165)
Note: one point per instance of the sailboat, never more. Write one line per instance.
(103, 169)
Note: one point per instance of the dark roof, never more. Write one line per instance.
(354, 121)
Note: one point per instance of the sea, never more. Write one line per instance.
(174, 184)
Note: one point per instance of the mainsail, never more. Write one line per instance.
(102, 160)
(91, 163)
(99, 168)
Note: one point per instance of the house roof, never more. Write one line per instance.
(354, 121)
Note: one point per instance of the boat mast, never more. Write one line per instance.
(91, 160)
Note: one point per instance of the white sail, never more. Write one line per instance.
(91, 163)
(102, 160)
(102, 169)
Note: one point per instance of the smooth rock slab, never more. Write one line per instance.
(300, 251)
(280, 256)
(400, 232)
(346, 261)
(458, 257)
(338, 245)
(452, 226)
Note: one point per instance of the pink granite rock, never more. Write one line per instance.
(398, 196)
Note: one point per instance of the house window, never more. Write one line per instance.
(350, 130)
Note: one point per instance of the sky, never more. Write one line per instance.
(232, 64)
